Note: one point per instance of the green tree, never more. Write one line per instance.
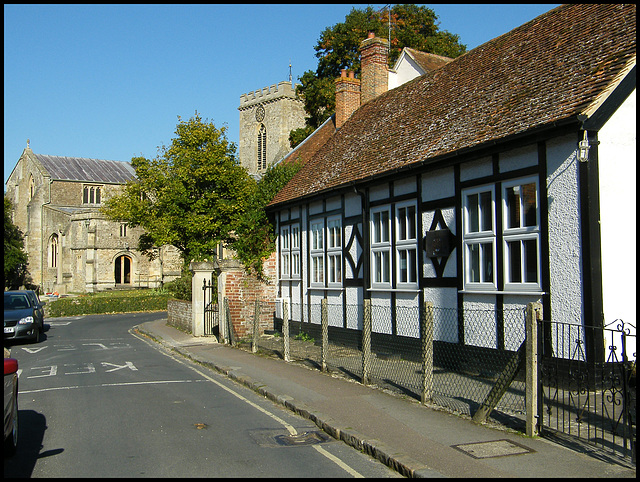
(15, 257)
(338, 48)
(190, 196)
(254, 237)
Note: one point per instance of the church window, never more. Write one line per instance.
(91, 195)
(53, 251)
(262, 148)
(123, 230)
(32, 187)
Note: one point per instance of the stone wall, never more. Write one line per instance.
(179, 314)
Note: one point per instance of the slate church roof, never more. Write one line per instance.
(83, 169)
(544, 73)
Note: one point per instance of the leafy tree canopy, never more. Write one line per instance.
(254, 238)
(15, 257)
(338, 48)
(190, 196)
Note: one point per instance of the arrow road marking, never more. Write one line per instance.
(34, 350)
(119, 367)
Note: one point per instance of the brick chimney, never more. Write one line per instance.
(347, 97)
(374, 53)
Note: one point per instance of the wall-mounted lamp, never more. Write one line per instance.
(583, 149)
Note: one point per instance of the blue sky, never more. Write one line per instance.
(109, 81)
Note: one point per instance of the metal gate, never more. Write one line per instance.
(211, 323)
(593, 401)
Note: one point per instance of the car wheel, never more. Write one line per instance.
(36, 335)
(11, 442)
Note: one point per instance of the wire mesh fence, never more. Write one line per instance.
(465, 360)
(448, 357)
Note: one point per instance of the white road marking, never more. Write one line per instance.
(123, 384)
(119, 367)
(33, 350)
(289, 427)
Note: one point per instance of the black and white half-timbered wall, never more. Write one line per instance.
(505, 176)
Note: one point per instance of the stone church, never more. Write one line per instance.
(72, 246)
(267, 116)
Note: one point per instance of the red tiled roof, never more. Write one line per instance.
(426, 60)
(547, 70)
(307, 148)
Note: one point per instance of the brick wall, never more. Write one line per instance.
(242, 290)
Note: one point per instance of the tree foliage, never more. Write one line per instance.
(338, 48)
(190, 196)
(254, 238)
(15, 257)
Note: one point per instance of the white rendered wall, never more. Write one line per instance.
(565, 248)
(617, 171)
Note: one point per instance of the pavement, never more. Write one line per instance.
(411, 438)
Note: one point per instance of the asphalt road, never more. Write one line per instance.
(95, 400)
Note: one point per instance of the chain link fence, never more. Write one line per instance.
(446, 357)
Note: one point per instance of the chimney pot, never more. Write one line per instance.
(371, 35)
(351, 74)
(343, 73)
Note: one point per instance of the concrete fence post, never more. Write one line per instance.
(366, 341)
(426, 319)
(532, 315)
(256, 326)
(324, 320)
(285, 329)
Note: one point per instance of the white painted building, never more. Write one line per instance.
(467, 188)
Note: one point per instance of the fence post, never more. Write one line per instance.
(227, 313)
(222, 320)
(285, 329)
(533, 313)
(366, 341)
(256, 326)
(427, 351)
(324, 320)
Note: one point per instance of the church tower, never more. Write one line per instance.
(266, 118)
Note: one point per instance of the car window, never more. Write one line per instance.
(17, 302)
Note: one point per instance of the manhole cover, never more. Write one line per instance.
(305, 438)
(495, 448)
(275, 438)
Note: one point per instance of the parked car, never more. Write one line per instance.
(10, 406)
(23, 315)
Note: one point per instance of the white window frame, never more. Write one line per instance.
(316, 250)
(524, 233)
(334, 251)
(406, 249)
(473, 239)
(295, 251)
(290, 252)
(380, 247)
(285, 253)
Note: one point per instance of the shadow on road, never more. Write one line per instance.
(31, 428)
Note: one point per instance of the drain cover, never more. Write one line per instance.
(305, 438)
(494, 448)
(275, 438)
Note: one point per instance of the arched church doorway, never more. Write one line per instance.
(122, 269)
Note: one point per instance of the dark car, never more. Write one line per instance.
(23, 315)
(10, 406)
